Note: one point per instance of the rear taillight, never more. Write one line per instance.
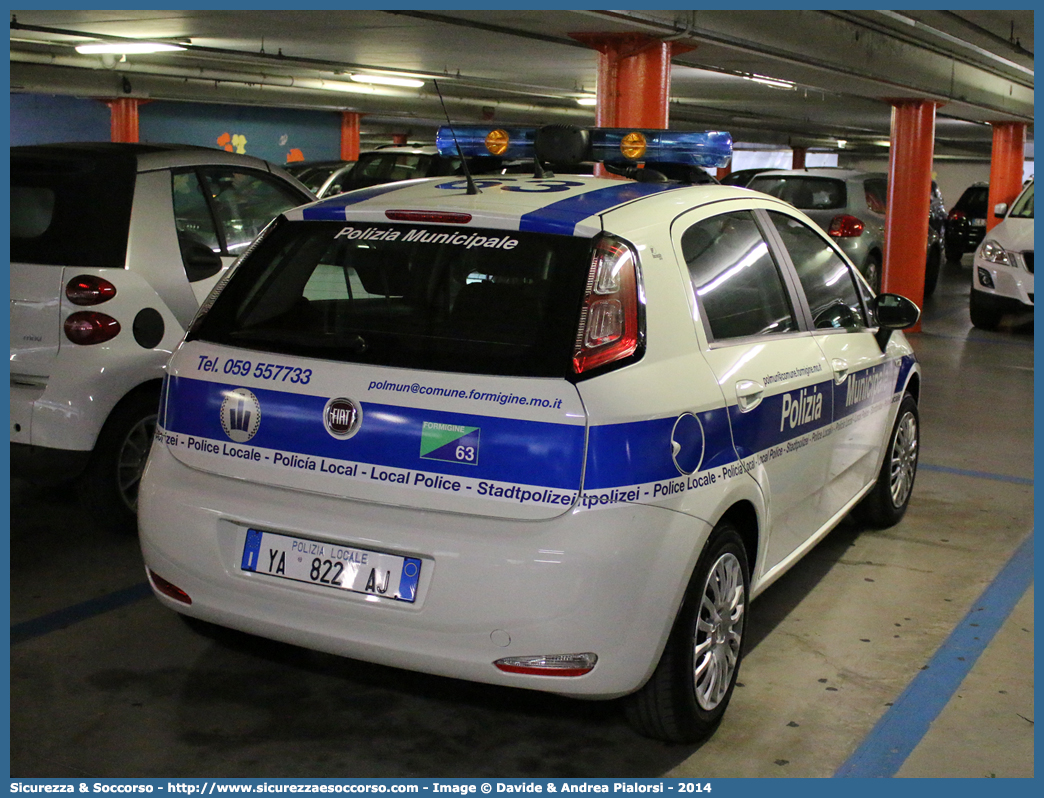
(955, 215)
(609, 324)
(88, 327)
(845, 226)
(168, 589)
(87, 289)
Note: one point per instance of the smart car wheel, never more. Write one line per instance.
(686, 697)
(109, 486)
(885, 505)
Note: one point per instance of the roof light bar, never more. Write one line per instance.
(628, 145)
(563, 143)
(479, 140)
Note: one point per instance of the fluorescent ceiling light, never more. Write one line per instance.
(126, 48)
(587, 101)
(337, 85)
(388, 80)
(775, 83)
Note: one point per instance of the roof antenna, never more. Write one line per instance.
(472, 188)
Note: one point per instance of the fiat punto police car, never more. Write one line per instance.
(552, 433)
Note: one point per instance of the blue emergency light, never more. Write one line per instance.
(568, 144)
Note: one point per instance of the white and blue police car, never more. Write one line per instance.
(552, 433)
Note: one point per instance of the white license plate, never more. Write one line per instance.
(331, 565)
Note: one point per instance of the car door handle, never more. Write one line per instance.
(840, 367)
(748, 395)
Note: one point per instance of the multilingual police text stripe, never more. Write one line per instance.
(512, 450)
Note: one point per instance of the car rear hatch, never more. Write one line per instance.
(415, 363)
(70, 210)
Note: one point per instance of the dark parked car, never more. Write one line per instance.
(966, 224)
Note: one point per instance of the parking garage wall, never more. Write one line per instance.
(46, 119)
(279, 135)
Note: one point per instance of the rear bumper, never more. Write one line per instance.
(606, 581)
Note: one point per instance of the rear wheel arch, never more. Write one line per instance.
(743, 515)
(108, 487)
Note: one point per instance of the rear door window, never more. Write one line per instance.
(736, 280)
(431, 297)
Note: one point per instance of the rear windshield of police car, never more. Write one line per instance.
(420, 296)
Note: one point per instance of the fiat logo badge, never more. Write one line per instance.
(342, 417)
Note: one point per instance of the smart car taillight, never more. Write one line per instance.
(89, 289)
(87, 327)
(609, 324)
(845, 226)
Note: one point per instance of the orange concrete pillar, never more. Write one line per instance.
(123, 113)
(1009, 142)
(634, 78)
(399, 139)
(909, 192)
(350, 135)
(797, 160)
(724, 171)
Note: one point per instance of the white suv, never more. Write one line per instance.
(552, 433)
(1002, 272)
(113, 247)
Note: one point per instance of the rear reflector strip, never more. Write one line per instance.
(549, 665)
(168, 589)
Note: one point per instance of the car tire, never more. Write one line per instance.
(687, 694)
(932, 267)
(108, 487)
(872, 272)
(985, 318)
(954, 255)
(886, 503)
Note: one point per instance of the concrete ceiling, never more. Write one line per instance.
(524, 67)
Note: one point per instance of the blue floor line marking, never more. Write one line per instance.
(60, 619)
(962, 472)
(907, 721)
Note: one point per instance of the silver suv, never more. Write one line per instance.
(848, 204)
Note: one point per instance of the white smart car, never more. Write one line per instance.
(113, 247)
(552, 433)
(1002, 271)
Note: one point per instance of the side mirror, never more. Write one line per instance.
(893, 312)
(1000, 209)
(200, 260)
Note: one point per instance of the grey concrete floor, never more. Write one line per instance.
(135, 691)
